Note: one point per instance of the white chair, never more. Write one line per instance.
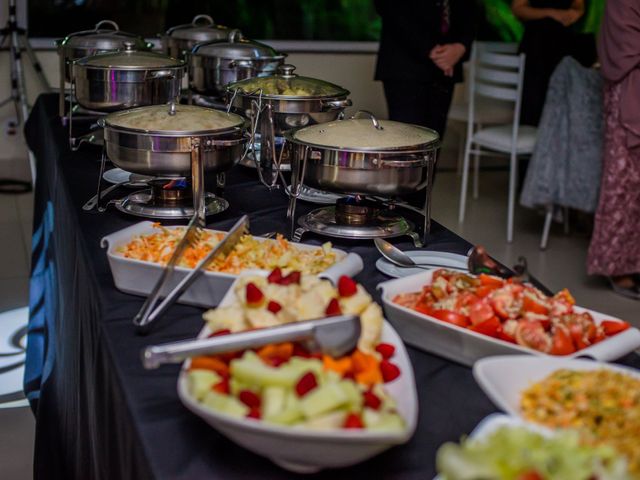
(498, 76)
(487, 111)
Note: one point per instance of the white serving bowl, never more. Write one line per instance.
(504, 378)
(466, 346)
(308, 451)
(138, 277)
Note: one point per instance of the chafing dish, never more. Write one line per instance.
(105, 37)
(214, 64)
(127, 78)
(179, 40)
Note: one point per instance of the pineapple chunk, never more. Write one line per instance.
(310, 305)
(226, 318)
(371, 322)
(200, 382)
(355, 304)
(261, 318)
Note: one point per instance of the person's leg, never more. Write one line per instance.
(438, 98)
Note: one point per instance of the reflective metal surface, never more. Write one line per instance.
(323, 221)
(141, 204)
(113, 88)
(179, 40)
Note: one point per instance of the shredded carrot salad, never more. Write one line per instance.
(249, 253)
(604, 406)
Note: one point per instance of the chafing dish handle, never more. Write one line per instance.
(107, 22)
(417, 162)
(337, 104)
(373, 118)
(156, 74)
(207, 18)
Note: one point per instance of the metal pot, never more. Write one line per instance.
(294, 101)
(91, 42)
(364, 156)
(128, 78)
(213, 65)
(139, 141)
(179, 40)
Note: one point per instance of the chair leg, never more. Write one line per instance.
(547, 226)
(465, 181)
(513, 176)
(461, 146)
(476, 170)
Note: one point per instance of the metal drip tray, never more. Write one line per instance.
(143, 204)
(386, 225)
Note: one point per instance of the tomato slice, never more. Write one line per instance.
(490, 280)
(480, 311)
(562, 343)
(612, 327)
(502, 335)
(489, 327)
(579, 336)
(531, 303)
(450, 317)
(532, 335)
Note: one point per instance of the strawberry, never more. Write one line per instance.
(371, 400)
(275, 276)
(222, 386)
(386, 350)
(217, 333)
(250, 399)
(306, 383)
(390, 371)
(255, 297)
(353, 420)
(254, 413)
(346, 286)
(333, 308)
(293, 277)
(274, 307)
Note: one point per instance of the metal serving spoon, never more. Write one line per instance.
(398, 257)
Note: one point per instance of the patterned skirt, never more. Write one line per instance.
(615, 245)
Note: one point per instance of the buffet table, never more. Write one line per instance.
(101, 415)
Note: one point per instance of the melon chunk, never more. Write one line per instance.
(225, 404)
(323, 399)
(200, 382)
(273, 401)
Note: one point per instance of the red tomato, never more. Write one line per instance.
(490, 280)
(544, 320)
(562, 343)
(502, 335)
(484, 290)
(612, 327)
(505, 301)
(565, 296)
(531, 303)
(490, 327)
(579, 336)
(450, 317)
(532, 335)
(480, 311)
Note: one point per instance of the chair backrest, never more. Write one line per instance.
(496, 71)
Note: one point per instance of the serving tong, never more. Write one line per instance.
(335, 336)
(149, 312)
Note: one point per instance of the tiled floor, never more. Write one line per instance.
(562, 265)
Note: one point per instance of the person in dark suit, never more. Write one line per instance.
(422, 47)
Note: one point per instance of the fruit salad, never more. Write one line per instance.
(510, 311)
(285, 384)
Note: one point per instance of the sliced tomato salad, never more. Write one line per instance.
(510, 311)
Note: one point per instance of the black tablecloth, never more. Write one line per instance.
(101, 415)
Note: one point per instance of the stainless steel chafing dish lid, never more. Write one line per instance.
(175, 120)
(102, 38)
(237, 48)
(287, 85)
(130, 58)
(201, 29)
(367, 135)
